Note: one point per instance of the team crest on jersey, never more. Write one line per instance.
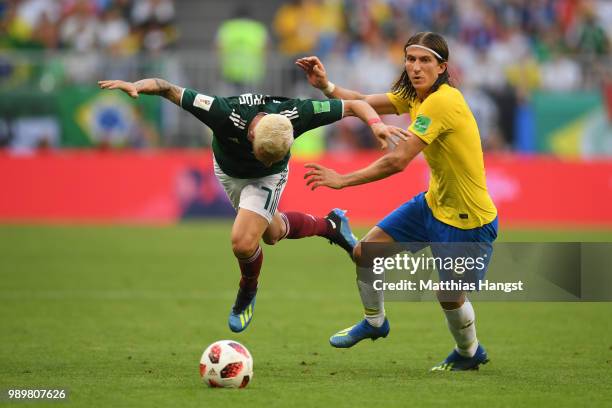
(422, 124)
(203, 102)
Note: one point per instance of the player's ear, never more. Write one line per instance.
(443, 66)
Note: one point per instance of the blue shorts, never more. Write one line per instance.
(413, 222)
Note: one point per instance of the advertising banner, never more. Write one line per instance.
(166, 186)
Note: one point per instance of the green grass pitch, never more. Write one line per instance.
(119, 316)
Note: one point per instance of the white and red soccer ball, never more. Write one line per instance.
(226, 364)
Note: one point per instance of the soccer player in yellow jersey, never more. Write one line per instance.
(456, 208)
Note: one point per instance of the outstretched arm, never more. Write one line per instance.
(389, 164)
(149, 86)
(317, 77)
(384, 133)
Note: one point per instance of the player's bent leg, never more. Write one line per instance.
(375, 324)
(334, 226)
(372, 300)
(276, 231)
(246, 233)
(468, 354)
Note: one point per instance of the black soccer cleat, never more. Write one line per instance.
(341, 233)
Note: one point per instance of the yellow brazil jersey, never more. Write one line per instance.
(457, 192)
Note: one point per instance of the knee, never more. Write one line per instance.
(275, 231)
(244, 246)
(273, 234)
(450, 300)
(270, 240)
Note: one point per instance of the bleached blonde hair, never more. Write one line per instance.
(273, 136)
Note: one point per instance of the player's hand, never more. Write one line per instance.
(127, 87)
(322, 176)
(315, 71)
(386, 134)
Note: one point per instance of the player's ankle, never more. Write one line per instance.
(469, 350)
(376, 320)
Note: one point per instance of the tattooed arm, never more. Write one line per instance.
(149, 86)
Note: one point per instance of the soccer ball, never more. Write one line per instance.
(226, 364)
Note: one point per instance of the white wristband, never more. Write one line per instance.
(329, 89)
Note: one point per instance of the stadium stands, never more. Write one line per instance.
(508, 58)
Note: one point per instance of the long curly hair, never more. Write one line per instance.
(403, 87)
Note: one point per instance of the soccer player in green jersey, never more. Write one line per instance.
(455, 209)
(252, 137)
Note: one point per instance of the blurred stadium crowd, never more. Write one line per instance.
(502, 51)
(488, 38)
(119, 26)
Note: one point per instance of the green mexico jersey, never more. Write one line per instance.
(229, 119)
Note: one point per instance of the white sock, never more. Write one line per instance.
(462, 325)
(373, 303)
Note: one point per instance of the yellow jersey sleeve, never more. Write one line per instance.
(431, 118)
(401, 105)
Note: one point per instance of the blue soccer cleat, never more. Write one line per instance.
(341, 234)
(242, 311)
(457, 362)
(363, 330)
